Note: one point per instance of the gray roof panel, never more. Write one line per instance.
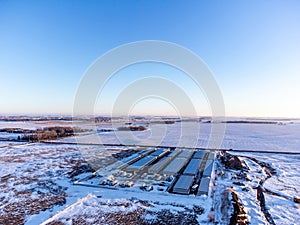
(193, 167)
(211, 156)
(175, 166)
(204, 186)
(160, 151)
(183, 184)
(186, 154)
(157, 167)
(199, 154)
(175, 152)
(141, 163)
(144, 161)
(208, 168)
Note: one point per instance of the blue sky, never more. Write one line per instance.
(252, 47)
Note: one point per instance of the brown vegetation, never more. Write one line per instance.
(231, 161)
(17, 130)
(239, 215)
(15, 212)
(261, 198)
(132, 128)
(50, 133)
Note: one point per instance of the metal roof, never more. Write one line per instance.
(133, 158)
(186, 154)
(193, 167)
(175, 166)
(142, 163)
(204, 186)
(129, 158)
(208, 168)
(199, 154)
(160, 152)
(211, 156)
(175, 152)
(183, 184)
(157, 167)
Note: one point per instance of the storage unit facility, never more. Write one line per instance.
(175, 152)
(175, 166)
(199, 154)
(186, 154)
(160, 152)
(142, 163)
(135, 157)
(204, 186)
(208, 168)
(193, 167)
(183, 184)
(211, 156)
(158, 167)
(129, 160)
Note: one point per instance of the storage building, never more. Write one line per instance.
(175, 166)
(186, 154)
(174, 153)
(183, 184)
(204, 186)
(133, 158)
(211, 156)
(208, 168)
(159, 166)
(142, 163)
(160, 152)
(193, 167)
(199, 154)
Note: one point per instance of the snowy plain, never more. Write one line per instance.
(272, 137)
(40, 165)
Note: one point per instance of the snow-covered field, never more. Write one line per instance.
(37, 185)
(36, 179)
(272, 137)
(276, 174)
(29, 176)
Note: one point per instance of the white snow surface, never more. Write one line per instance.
(244, 136)
(52, 162)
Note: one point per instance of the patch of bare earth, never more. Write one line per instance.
(135, 217)
(31, 186)
(239, 215)
(144, 213)
(116, 218)
(16, 212)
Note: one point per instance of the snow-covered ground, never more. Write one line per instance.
(282, 136)
(266, 137)
(276, 174)
(37, 184)
(28, 178)
(282, 187)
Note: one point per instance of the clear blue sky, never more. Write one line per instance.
(252, 47)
